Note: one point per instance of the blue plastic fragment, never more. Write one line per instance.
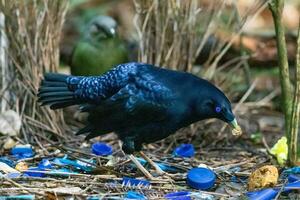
(13, 175)
(74, 163)
(93, 198)
(61, 172)
(182, 195)
(45, 164)
(8, 161)
(184, 150)
(266, 194)
(22, 151)
(134, 195)
(201, 178)
(134, 182)
(293, 178)
(18, 197)
(102, 149)
(162, 166)
(293, 170)
(34, 172)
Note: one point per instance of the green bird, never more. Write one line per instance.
(99, 50)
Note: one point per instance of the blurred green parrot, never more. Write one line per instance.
(99, 50)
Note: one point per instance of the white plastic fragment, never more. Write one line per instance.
(9, 143)
(10, 123)
(6, 168)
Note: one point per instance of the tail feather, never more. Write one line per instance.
(55, 91)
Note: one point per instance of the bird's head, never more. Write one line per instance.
(102, 27)
(214, 104)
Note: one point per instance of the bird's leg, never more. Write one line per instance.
(140, 167)
(153, 164)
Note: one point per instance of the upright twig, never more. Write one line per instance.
(276, 7)
(3, 62)
(295, 116)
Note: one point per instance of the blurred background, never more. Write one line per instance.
(231, 43)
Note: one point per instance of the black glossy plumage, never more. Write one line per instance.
(140, 102)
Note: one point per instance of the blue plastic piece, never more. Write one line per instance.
(18, 197)
(134, 195)
(293, 178)
(162, 166)
(292, 186)
(13, 175)
(23, 151)
(183, 195)
(134, 182)
(266, 194)
(201, 178)
(7, 161)
(31, 172)
(185, 150)
(45, 164)
(293, 170)
(77, 164)
(101, 149)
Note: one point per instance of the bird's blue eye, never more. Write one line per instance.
(218, 109)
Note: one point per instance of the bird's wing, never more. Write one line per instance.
(58, 90)
(143, 100)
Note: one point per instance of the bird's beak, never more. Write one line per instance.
(236, 129)
(233, 124)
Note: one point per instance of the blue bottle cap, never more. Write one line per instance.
(185, 150)
(102, 149)
(265, 194)
(22, 151)
(201, 178)
(183, 195)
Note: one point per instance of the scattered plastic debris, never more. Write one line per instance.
(270, 193)
(85, 166)
(7, 161)
(18, 197)
(293, 178)
(22, 151)
(162, 166)
(102, 149)
(293, 170)
(183, 195)
(13, 175)
(45, 164)
(201, 178)
(21, 166)
(6, 168)
(280, 150)
(185, 150)
(10, 123)
(34, 172)
(134, 195)
(266, 176)
(134, 182)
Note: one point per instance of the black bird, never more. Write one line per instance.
(140, 102)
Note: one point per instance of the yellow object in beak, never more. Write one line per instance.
(236, 129)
